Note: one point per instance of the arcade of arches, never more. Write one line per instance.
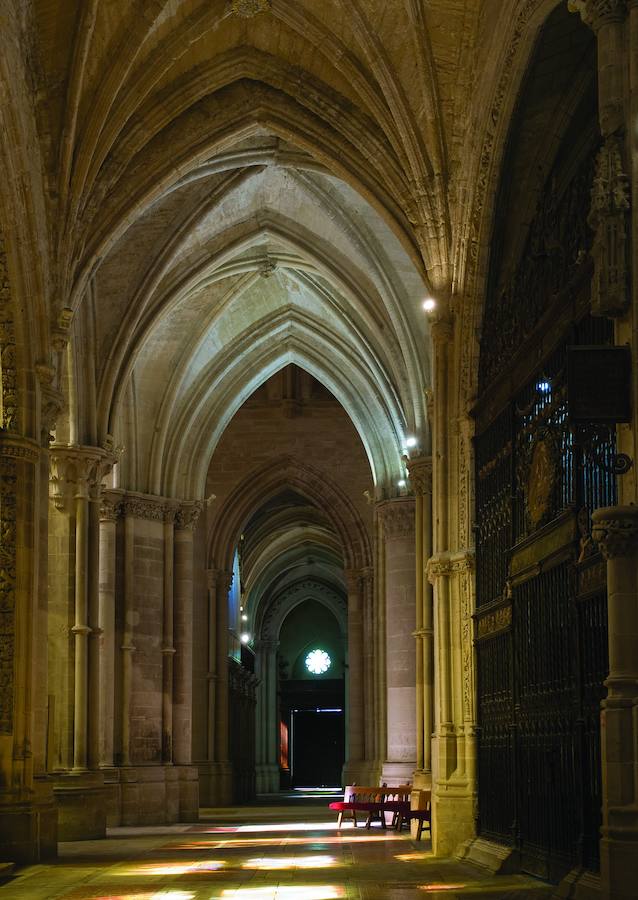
(233, 432)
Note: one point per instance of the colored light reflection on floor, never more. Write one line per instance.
(411, 857)
(290, 862)
(274, 827)
(441, 887)
(293, 892)
(248, 843)
(154, 895)
(174, 868)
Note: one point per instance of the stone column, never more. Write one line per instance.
(371, 773)
(223, 787)
(187, 515)
(353, 767)
(420, 471)
(267, 762)
(615, 530)
(76, 474)
(110, 510)
(211, 675)
(168, 648)
(397, 520)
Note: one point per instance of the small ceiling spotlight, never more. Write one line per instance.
(245, 637)
(429, 304)
(411, 442)
(401, 483)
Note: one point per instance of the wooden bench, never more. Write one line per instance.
(374, 801)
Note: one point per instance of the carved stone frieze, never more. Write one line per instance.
(450, 564)
(8, 584)
(494, 622)
(8, 371)
(397, 517)
(615, 530)
(608, 219)
(151, 508)
(420, 472)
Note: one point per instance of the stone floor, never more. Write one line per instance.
(289, 851)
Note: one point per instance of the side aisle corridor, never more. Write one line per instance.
(270, 852)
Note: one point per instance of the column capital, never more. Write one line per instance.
(110, 506)
(187, 514)
(615, 530)
(76, 472)
(144, 506)
(446, 564)
(420, 473)
(597, 13)
(397, 517)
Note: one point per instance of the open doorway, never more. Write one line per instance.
(316, 747)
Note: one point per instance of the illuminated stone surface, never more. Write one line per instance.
(259, 853)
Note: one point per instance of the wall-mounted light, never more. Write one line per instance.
(244, 617)
(429, 304)
(401, 483)
(411, 441)
(245, 637)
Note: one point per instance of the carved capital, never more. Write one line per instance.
(61, 331)
(397, 517)
(187, 514)
(608, 219)
(615, 530)
(596, 13)
(420, 472)
(447, 564)
(77, 472)
(110, 506)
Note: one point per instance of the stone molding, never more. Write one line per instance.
(9, 385)
(8, 586)
(137, 507)
(615, 530)
(397, 517)
(14, 447)
(596, 13)
(77, 472)
(183, 514)
(420, 473)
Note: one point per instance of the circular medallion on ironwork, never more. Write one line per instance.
(249, 8)
(318, 662)
(540, 481)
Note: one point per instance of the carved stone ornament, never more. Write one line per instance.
(77, 472)
(597, 13)
(420, 473)
(110, 507)
(541, 481)
(8, 372)
(187, 515)
(608, 220)
(397, 518)
(246, 9)
(151, 508)
(615, 530)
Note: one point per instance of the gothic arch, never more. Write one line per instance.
(273, 612)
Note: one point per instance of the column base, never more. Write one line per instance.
(498, 859)
(29, 826)
(80, 799)
(394, 773)
(453, 818)
(267, 779)
(422, 780)
(153, 795)
(619, 858)
(216, 784)
(579, 884)
(358, 771)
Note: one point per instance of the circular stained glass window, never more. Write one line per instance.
(318, 662)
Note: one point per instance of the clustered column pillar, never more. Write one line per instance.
(355, 744)
(110, 511)
(267, 762)
(397, 523)
(615, 529)
(420, 471)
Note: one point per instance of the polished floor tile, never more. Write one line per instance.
(266, 852)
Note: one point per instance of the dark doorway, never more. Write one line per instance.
(317, 744)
